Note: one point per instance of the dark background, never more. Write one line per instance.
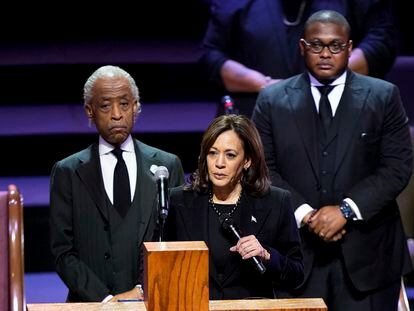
(129, 20)
(25, 27)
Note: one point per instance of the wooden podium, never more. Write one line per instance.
(176, 276)
(308, 304)
(176, 279)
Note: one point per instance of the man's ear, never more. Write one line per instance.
(350, 46)
(88, 111)
(301, 48)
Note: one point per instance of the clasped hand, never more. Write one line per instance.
(328, 223)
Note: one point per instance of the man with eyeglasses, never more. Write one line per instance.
(340, 142)
(250, 44)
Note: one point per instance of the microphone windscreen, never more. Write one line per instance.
(161, 172)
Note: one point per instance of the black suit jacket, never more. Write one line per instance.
(270, 218)
(372, 166)
(97, 254)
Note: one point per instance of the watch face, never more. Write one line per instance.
(346, 210)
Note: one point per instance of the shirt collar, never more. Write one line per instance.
(340, 80)
(105, 147)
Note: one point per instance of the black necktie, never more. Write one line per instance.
(325, 110)
(122, 191)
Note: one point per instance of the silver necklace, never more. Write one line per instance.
(298, 18)
(228, 215)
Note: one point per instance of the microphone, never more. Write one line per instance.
(228, 224)
(161, 175)
(228, 104)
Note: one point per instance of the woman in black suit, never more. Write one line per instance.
(231, 187)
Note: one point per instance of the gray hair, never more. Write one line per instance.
(109, 71)
(328, 17)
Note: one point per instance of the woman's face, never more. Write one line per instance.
(226, 161)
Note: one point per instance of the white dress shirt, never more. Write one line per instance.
(108, 162)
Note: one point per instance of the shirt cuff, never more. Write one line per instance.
(355, 208)
(107, 298)
(301, 212)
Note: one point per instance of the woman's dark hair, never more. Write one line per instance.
(256, 178)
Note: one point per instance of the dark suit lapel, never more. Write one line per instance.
(254, 215)
(90, 174)
(146, 191)
(352, 101)
(248, 217)
(198, 229)
(198, 214)
(303, 108)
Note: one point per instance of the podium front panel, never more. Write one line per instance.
(176, 276)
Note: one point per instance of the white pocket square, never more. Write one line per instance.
(254, 219)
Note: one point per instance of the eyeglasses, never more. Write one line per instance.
(317, 47)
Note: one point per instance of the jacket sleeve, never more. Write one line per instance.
(374, 22)
(77, 276)
(217, 42)
(393, 163)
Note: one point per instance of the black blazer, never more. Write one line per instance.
(97, 254)
(270, 218)
(372, 166)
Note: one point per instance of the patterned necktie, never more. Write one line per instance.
(325, 110)
(122, 191)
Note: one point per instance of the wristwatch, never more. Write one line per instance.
(346, 210)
